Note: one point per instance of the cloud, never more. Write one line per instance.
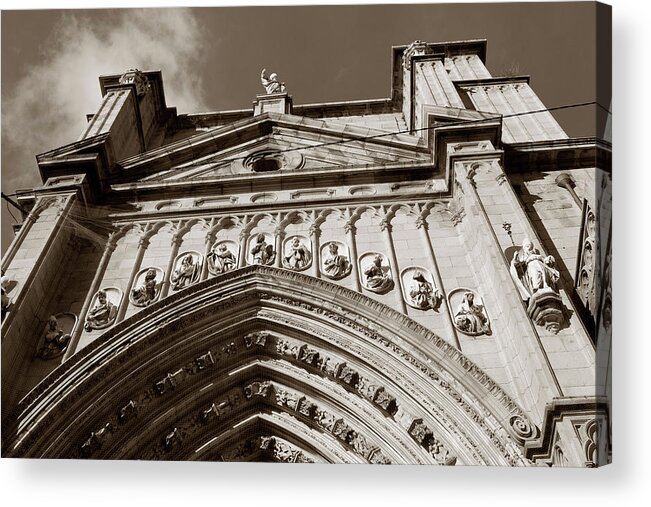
(48, 106)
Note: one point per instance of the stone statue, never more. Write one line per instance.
(6, 300)
(262, 253)
(421, 292)
(298, 256)
(55, 340)
(532, 271)
(470, 317)
(376, 277)
(221, 259)
(186, 274)
(271, 84)
(336, 265)
(102, 314)
(147, 292)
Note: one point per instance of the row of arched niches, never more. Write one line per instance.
(387, 253)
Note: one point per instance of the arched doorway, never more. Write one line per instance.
(268, 364)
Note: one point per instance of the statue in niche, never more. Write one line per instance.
(471, 317)
(377, 278)
(271, 84)
(147, 292)
(221, 259)
(421, 292)
(6, 301)
(262, 252)
(532, 271)
(55, 340)
(186, 274)
(102, 314)
(336, 265)
(298, 256)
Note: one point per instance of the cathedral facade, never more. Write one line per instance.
(422, 279)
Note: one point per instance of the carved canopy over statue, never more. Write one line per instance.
(532, 271)
(271, 84)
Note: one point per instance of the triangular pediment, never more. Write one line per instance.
(296, 142)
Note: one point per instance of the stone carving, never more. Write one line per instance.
(187, 270)
(104, 309)
(56, 336)
(282, 451)
(335, 264)
(137, 77)
(297, 255)
(425, 437)
(127, 412)
(221, 258)
(521, 429)
(416, 48)
(271, 84)
(260, 389)
(6, 284)
(147, 287)
(172, 439)
(419, 290)
(536, 278)
(468, 312)
(262, 251)
(376, 272)
(259, 339)
(95, 440)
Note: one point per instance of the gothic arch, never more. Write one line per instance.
(298, 367)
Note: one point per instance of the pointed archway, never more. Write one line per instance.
(268, 364)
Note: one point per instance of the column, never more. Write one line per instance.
(177, 239)
(280, 236)
(349, 227)
(386, 228)
(241, 257)
(210, 237)
(421, 225)
(124, 304)
(315, 232)
(94, 287)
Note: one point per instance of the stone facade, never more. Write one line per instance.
(339, 282)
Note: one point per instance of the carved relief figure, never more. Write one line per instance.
(147, 292)
(271, 84)
(187, 273)
(262, 252)
(470, 317)
(54, 340)
(421, 292)
(101, 315)
(532, 271)
(297, 256)
(221, 259)
(378, 277)
(6, 301)
(336, 265)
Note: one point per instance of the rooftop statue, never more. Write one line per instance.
(271, 84)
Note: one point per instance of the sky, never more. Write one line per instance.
(211, 60)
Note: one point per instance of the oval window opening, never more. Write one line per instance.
(265, 165)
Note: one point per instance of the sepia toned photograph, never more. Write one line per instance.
(342, 234)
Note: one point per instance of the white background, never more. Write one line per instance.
(626, 482)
